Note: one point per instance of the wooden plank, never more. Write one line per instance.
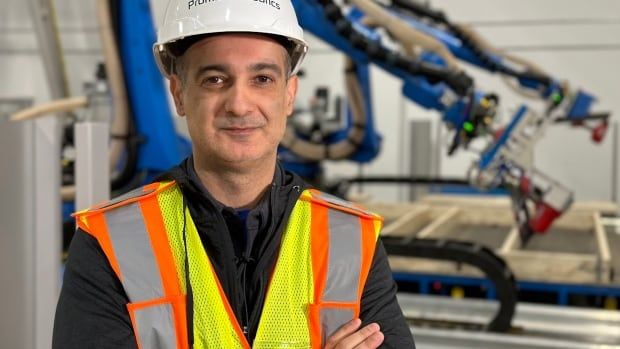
(553, 267)
(428, 266)
(547, 254)
(601, 238)
(392, 211)
(442, 223)
(505, 218)
(491, 210)
(486, 216)
(410, 223)
(446, 213)
(604, 253)
(512, 240)
(605, 207)
(573, 221)
(545, 267)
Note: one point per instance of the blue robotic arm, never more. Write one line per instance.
(432, 80)
(506, 161)
(427, 80)
(465, 44)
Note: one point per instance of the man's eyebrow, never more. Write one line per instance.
(267, 66)
(225, 68)
(216, 67)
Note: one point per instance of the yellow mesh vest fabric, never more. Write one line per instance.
(212, 326)
(284, 321)
(378, 225)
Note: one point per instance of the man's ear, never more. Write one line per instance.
(176, 89)
(291, 92)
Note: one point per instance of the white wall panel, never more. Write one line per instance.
(550, 36)
(527, 10)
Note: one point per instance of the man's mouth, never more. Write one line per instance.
(240, 130)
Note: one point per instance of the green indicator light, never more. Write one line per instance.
(468, 126)
(557, 98)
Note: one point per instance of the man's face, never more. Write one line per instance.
(236, 98)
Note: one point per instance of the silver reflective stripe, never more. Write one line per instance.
(332, 319)
(155, 328)
(136, 193)
(154, 325)
(132, 247)
(338, 201)
(345, 246)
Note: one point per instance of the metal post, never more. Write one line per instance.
(420, 155)
(92, 135)
(46, 213)
(92, 173)
(17, 228)
(47, 221)
(614, 162)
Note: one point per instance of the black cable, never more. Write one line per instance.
(189, 298)
(406, 180)
(243, 262)
(342, 187)
(481, 257)
(481, 54)
(129, 169)
(459, 81)
(124, 180)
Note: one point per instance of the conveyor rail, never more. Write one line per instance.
(533, 326)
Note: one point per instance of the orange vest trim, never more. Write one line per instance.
(93, 222)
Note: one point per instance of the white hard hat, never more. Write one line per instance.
(187, 18)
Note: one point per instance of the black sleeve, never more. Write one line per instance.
(91, 311)
(379, 303)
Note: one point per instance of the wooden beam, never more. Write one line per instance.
(491, 210)
(443, 222)
(408, 224)
(603, 207)
(510, 242)
(391, 211)
(604, 253)
(441, 215)
(553, 266)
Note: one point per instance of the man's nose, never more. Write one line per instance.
(239, 100)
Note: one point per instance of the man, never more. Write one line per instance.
(228, 249)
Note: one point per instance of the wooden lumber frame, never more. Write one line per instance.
(435, 215)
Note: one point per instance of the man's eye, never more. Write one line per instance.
(262, 79)
(212, 80)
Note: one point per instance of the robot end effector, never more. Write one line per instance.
(579, 115)
(537, 200)
(549, 199)
(507, 162)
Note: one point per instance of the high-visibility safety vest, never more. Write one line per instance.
(149, 238)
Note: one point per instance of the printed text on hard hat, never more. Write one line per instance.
(193, 3)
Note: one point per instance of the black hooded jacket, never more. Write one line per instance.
(91, 311)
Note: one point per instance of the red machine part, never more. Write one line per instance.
(543, 217)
